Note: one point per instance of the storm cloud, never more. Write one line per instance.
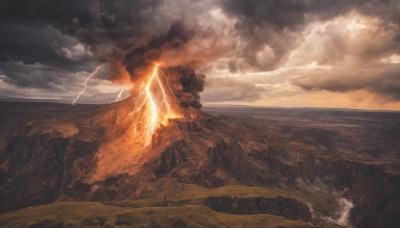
(384, 81)
(270, 30)
(230, 89)
(336, 46)
(132, 34)
(51, 45)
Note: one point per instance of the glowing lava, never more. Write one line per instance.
(154, 105)
(85, 84)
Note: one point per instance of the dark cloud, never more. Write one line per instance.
(381, 80)
(47, 78)
(133, 34)
(39, 36)
(42, 44)
(107, 26)
(187, 84)
(93, 21)
(140, 59)
(45, 41)
(33, 76)
(271, 30)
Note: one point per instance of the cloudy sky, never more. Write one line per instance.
(292, 53)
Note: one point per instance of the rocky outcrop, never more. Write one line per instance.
(281, 206)
(38, 168)
(230, 157)
(172, 157)
(375, 192)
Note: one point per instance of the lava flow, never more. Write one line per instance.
(154, 104)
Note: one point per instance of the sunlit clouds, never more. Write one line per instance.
(350, 61)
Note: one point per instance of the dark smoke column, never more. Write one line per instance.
(187, 85)
(183, 80)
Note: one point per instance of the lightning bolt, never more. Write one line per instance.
(120, 94)
(152, 107)
(152, 103)
(85, 84)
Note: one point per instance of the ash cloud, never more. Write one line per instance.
(187, 85)
(129, 34)
(144, 57)
(201, 37)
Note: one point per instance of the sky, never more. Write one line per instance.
(289, 53)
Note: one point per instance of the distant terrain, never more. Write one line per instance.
(368, 136)
(224, 166)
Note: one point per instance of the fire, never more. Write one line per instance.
(154, 104)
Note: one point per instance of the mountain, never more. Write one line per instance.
(226, 166)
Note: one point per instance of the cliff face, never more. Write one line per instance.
(38, 168)
(375, 192)
(67, 159)
(281, 206)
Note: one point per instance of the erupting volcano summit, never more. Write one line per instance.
(154, 104)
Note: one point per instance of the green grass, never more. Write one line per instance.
(178, 205)
(89, 214)
(194, 194)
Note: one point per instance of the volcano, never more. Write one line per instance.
(222, 167)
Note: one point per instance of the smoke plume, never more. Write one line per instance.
(130, 35)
